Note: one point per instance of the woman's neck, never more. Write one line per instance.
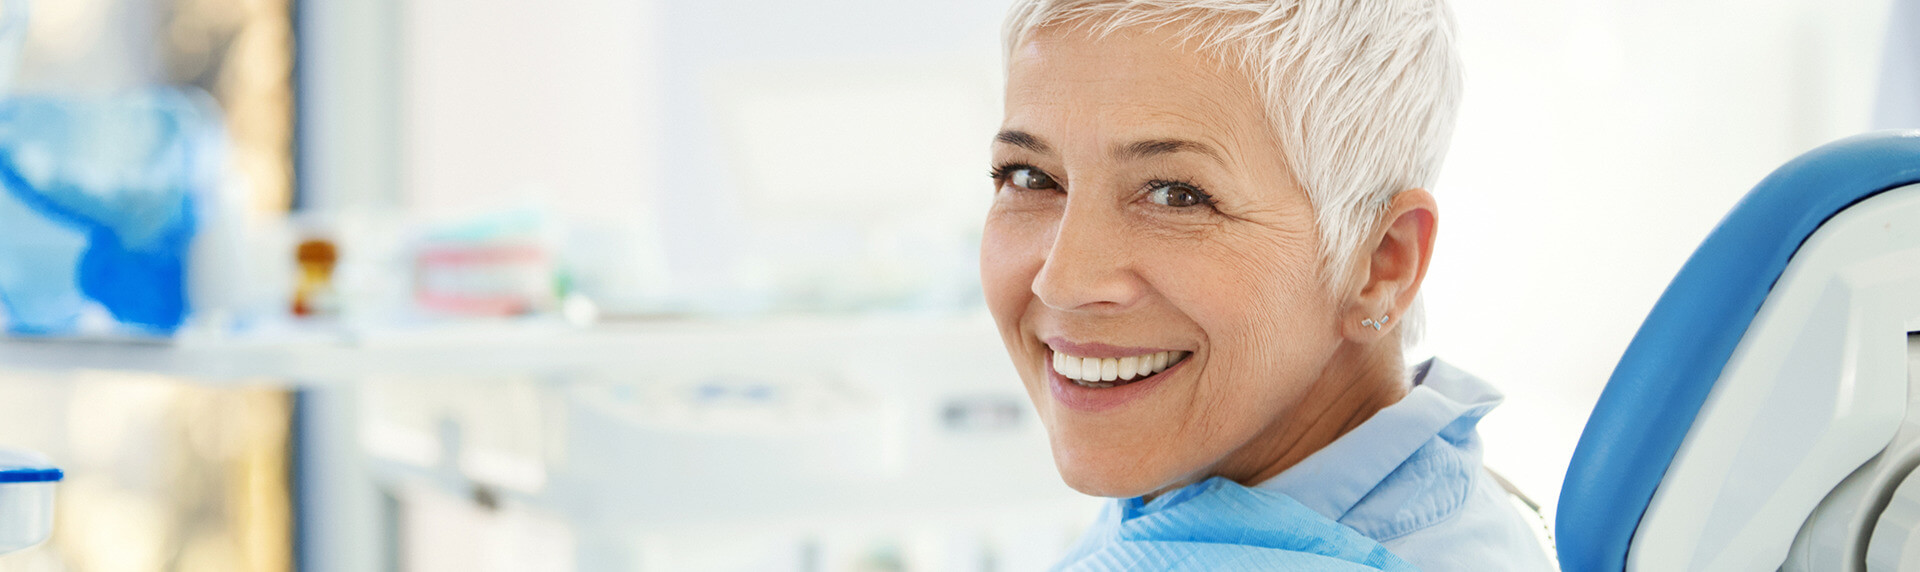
(1357, 383)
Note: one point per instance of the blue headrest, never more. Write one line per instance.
(1674, 360)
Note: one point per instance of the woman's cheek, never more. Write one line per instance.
(1016, 240)
(1006, 264)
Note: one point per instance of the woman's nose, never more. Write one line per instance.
(1089, 267)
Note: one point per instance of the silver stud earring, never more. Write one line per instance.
(1375, 324)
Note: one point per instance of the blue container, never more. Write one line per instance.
(26, 499)
(97, 210)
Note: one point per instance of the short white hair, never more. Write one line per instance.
(1362, 94)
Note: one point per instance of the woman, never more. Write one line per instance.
(1204, 256)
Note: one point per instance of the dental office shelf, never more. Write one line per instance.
(304, 360)
(488, 350)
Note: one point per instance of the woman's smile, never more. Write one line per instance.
(1096, 397)
(1094, 377)
(1101, 373)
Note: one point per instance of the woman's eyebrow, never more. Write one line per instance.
(1023, 140)
(1155, 147)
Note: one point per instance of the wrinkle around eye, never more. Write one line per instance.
(1276, 226)
(1010, 199)
(1168, 222)
(1280, 219)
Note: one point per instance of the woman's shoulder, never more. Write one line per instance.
(1220, 525)
(1441, 509)
(1432, 486)
(1486, 531)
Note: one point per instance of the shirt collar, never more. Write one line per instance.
(1445, 402)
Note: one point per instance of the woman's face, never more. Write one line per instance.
(1143, 210)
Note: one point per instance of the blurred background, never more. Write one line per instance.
(691, 284)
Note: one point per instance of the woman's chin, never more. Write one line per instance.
(1122, 479)
(1101, 487)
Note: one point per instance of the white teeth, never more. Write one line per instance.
(1109, 372)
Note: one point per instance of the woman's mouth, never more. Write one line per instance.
(1101, 373)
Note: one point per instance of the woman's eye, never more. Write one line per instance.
(1030, 178)
(1177, 195)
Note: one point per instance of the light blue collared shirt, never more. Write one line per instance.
(1410, 478)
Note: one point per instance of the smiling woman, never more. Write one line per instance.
(1204, 256)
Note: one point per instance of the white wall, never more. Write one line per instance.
(525, 101)
(937, 64)
(1899, 104)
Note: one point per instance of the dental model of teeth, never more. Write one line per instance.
(1104, 372)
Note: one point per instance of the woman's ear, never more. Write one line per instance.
(1394, 265)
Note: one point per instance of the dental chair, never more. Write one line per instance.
(1767, 414)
